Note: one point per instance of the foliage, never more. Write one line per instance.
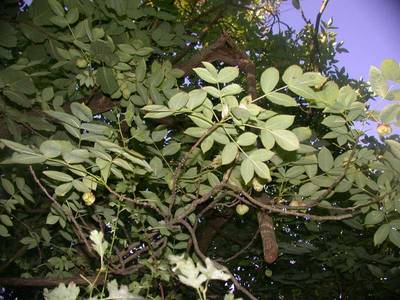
(121, 152)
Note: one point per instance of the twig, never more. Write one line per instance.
(315, 49)
(182, 163)
(284, 211)
(70, 216)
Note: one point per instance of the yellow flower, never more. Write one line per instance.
(88, 198)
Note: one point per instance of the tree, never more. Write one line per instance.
(144, 158)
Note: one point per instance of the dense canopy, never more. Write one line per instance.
(183, 149)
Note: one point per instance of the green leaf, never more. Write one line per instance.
(72, 16)
(374, 217)
(65, 118)
(59, 176)
(229, 153)
(4, 231)
(51, 149)
(8, 186)
(394, 147)
(157, 111)
(279, 122)
(6, 220)
(390, 70)
(378, 83)
(302, 133)
(286, 139)
(296, 5)
(52, 219)
(17, 147)
(269, 79)
(247, 170)
(8, 35)
(81, 111)
(56, 7)
(206, 75)
(196, 132)
(261, 155)
(292, 74)
(262, 170)
(394, 237)
(22, 158)
(18, 98)
(75, 156)
(71, 292)
(196, 98)
(59, 21)
(227, 74)
(231, 89)
(312, 79)
(241, 114)
(302, 90)
(105, 78)
(281, 99)
(267, 139)
(325, 159)
(63, 189)
(207, 144)
(171, 149)
(334, 121)
(178, 101)
(246, 139)
(381, 234)
(212, 179)
(99, 244)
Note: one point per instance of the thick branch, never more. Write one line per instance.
(16, 281)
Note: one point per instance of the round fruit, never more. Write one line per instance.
(242, 209)
(81, 63)
(88, 198)
(384, 129)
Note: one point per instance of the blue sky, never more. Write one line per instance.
(370, 30)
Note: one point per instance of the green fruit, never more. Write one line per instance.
(242, 209)
(81, 63)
